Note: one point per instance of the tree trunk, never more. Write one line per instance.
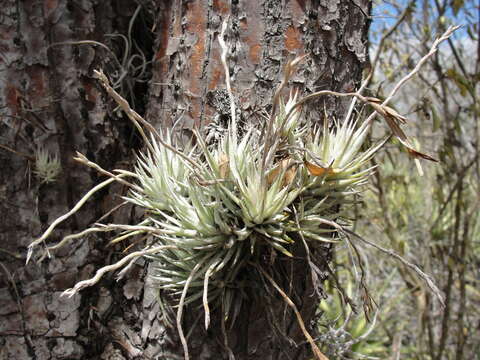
(49, 100)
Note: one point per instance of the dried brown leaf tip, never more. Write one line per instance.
(416, 154)
(393, 119)
(384, 110)
(317, 170)
(289, 175)
(223, 165)
(288, 168)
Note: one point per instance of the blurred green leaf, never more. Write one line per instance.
(456, 6)
(459, 80)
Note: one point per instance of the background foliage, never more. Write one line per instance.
(433, 220)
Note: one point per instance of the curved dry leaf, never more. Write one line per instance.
(395, 114)
(385, 110)
(418, 154)
(224, 165)
(289, 168)
(289, 175)
(316, 170)
(392, 118)
(371, 99)
(414, 153)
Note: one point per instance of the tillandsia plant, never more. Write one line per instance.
(212, 211)
(47, 166)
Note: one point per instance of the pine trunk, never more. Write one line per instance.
(49, 100)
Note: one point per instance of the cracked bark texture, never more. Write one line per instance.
(48, 99)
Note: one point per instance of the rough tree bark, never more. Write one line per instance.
(48, 99)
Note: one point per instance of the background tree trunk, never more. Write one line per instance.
(48, 99)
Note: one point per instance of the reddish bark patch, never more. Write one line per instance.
(252, 30)
(221, 6)
(163, 34)
(293, 42)
(255, 52)
(50, 5)
(177, 23)
(298, 4)
(38, 82)
(216, 77)
(91, 92)
(245, 100)
(197, 25)
(12, 96)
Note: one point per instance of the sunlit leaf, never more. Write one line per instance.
(435, 119)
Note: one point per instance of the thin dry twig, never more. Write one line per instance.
(314, 270)
(90, 42)
(150, 229)
(68, 238)
(84, 160)
(367, 301)
(416, 69)
(381, 43)
(67, 215)
(223, 58)
(111, 211)
(206, 308)
(137, 120)
(374, 63)
(461, 175)
(181, 305)
(102, 271)
(394, 127)
(14, 287)
(319, 355)
(390, 115)
(428, 280)
(26, 156)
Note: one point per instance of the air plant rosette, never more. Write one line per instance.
(47, 166)
(211, 211)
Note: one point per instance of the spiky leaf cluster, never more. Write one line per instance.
(47, 166)
(223, 206)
